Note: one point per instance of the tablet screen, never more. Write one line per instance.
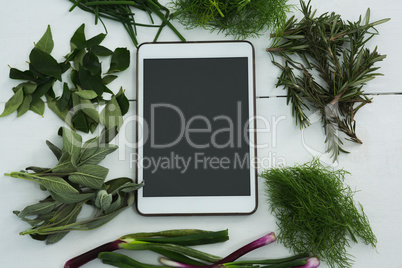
(197, 111)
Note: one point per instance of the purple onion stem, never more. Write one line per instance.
(312, 262)
(93, 254)
(265, 240)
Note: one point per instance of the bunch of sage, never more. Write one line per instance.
(76, 180)
(79, 101)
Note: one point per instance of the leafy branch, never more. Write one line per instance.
(325, 66)
(76, 180)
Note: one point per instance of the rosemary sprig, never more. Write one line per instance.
(316, 212)
(331, 51)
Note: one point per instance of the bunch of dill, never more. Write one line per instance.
(239, 18)
(315, 211)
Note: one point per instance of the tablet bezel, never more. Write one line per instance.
(196, 205)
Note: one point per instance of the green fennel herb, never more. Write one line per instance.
(315, 211)
(239, 18)
(325, 66)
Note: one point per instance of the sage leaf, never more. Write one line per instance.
(96, 40)
(70, 198)
(92, 176)
(114, 185)
(38, 107)
(78, 39)
(123, 102)
(102, 220)
(131, 187)
(55, 150)
(56, 184)
(120, 60)
(54, 238)
(103, 200)
(24, 107)
(86, 94)
(45, 64)
(101, 51)
(13, 103)
(38, 169)
(89, 148)
(108, 79)
(46, 42)
(72, 142)
(98, 155)
(115, 205)
(37, 209)
(91, 62)
(66, 164)
(111, 115)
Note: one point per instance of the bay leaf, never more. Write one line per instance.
(108, 79)
(91, 62)
(89, 109)
(96, 40)
(46, 42)
(45, 63)
(123, 102)
(90, 82)
(21, 75)
(111, 115)
(13, 103)
(38, 106)
(24, 107)
(92, 176)
(120, 60)
(101, 51)
(86, 94)
(78, 39)
(62, 114)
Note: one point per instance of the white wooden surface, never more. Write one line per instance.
(375, 165)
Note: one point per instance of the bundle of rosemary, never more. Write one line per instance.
(316, 212)
(325, 66)
(239, 18)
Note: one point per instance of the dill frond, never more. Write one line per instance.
(316, 212)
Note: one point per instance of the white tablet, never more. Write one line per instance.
(195, 131)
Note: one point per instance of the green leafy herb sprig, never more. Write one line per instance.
(239, 18)
(316, 212)
(78, 104)
(124, 12)
(325, 66)
(76, 180)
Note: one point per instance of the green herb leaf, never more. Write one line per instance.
(90, 82)
(24, 107)
(88, 108)
(55, 150)
(101, 51)
(78, 40)
(70, 198)
(103, 200)
(91, 62)
(56, 184)
(86, 94)
(108, 79)
(96, 40)
(42, 89)
(37, 209)
(72, 142)
(120, 60)
(111, 116)
(13, 103)
(46, 42)
(45, 64)
(63, 101)
(21, 75)
(92, 176)
(98, 155)
(62, 114)
(66, 164)
(124, 104)
(38, 106)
